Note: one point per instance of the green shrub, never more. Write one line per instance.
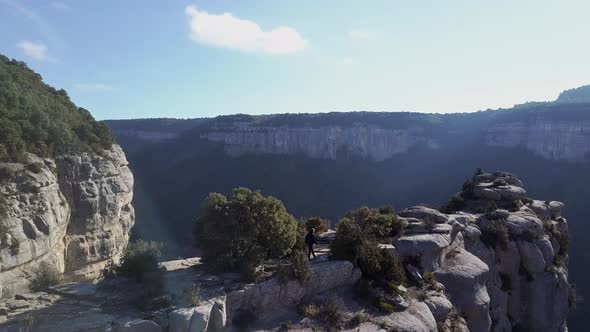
(430, 281)
(320, 225)
(240, 232)
(349, 237)
(384, 306)
(492, 206)
(563, 241)
(456, 203)
(352, 244)
(467, 189)
(46, 275)
(495, 234)
(3, 206)
(358, 319)
(139, 259)
(515, 205)
(4, 231)
(312, 311)
(298, 268)
(301, 233)
(376, 223)
(37, 118)
(332, 311)
(7, 173)
(380, 265)
(36, 167)
(286, 326)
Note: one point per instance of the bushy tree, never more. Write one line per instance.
(359, 246)
(349, 238)
(140, 258)
(376, 223)
(243, 230)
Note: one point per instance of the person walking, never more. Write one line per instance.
(310, 241)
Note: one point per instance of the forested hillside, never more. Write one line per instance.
(37, 118)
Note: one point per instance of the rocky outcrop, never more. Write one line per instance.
(503, 260)
(74, 213)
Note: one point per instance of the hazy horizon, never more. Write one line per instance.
(194, 59)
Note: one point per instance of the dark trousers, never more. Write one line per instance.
(310, 246)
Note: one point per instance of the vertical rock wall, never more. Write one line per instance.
(74, 213)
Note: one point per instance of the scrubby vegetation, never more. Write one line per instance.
(330, 311)
(430, 281)
(456, 203)
(375, 223)
(37, 118)
(46, 275)
(495, 234)
(297, 267)
(139, 260)
(318, 224)
(356, 240)
(240, 232)
(140, 263)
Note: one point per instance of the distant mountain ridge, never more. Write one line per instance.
(558, 130)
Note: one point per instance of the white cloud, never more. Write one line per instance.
(35, 50)
(93, 87)
(359, 34)
(228, 31)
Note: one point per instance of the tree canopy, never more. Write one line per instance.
(243, 230)
(36, 118)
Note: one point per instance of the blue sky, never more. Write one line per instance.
(174, 58)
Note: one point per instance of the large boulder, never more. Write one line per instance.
(488, 191)
(427, 247)
(464, 277)
(416, 318)
(424, 213)
(439, 305)
(195, 319)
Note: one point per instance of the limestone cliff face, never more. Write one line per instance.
(73, 212)
(568, 140)
(323, 142)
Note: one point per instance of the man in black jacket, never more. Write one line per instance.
(310, 241)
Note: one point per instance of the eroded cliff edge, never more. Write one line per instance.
(499, 260)
(73, 212)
